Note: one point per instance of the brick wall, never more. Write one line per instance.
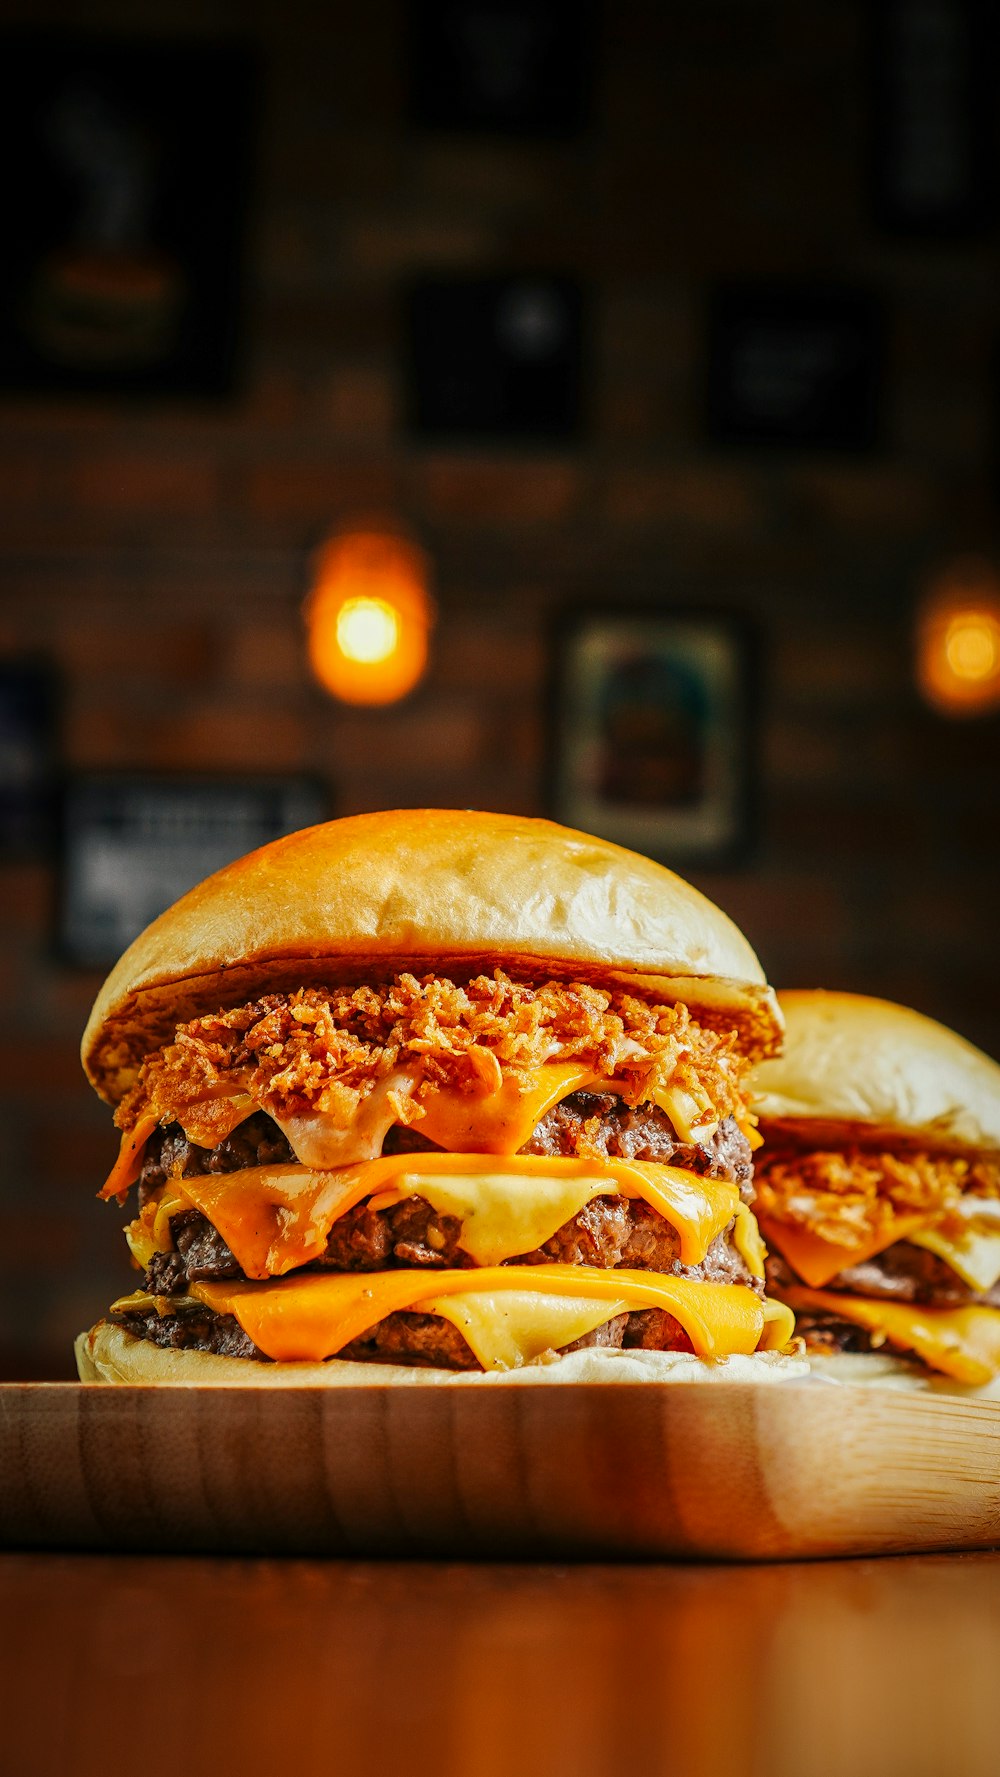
(158, 551)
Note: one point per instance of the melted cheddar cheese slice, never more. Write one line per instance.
(818, 1260)
(967, 1239)
(511, 1314)
(501, 1121)
(961, 1342)
(128, 1165)
(497, 1118)
(277, 1218)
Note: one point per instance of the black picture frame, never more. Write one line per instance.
(933, 138)
(131, 843)
(795, 366)
(652, 731)
(129, 163)
(511, 68)
(30, 706)
(495, 358)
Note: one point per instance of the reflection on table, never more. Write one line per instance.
(866, 1668)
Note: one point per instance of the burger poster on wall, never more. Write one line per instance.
(651, 737)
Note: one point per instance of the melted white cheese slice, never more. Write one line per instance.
(508, 1328)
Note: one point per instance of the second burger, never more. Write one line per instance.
(879, 1192)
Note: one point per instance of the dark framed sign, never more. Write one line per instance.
(795, 366)
(29, 701)
(507, 67)
(651, 740)
(933, 116)
(123, 221)
(132, 844)
(496, 357)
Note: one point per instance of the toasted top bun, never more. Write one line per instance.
(423, 889)
(860, 1068)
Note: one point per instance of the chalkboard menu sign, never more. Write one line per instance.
(496, 357)
(510, 67)
(794, 366)
(132, 845)
(934, 141)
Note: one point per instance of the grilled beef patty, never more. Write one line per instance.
(609, 1232)
(640, 1132)
(192, 1330)
(902, 1273)
(425, 1340)
(169, 1154)
(608, 1125)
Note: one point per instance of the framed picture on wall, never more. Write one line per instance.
(133, 843)
(521, 68)
(933, 134)
(651, 739)
(496, 357)
(795, 366)
(123, 222)
(29, 722)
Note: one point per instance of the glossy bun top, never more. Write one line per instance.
(428, 890)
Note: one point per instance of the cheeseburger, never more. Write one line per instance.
(444, 1092)
(879, 1191)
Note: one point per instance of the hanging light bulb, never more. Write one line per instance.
(958, 644)
(369, 617)
(367, 630)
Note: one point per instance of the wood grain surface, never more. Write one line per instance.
(824, 1669)
(580, 1470)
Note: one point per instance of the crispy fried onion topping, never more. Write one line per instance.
(326, 1049)
(850, 1196)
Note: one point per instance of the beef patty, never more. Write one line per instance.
(425, 1340)
(902, 1273)
(600, 1122)
(609, 1232)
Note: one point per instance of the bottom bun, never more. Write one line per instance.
(109, 1354)
(881, 1370)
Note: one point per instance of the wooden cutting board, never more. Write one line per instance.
(582, 1470)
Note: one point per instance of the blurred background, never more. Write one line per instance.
(568, 409)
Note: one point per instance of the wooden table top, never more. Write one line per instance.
(871, 1668)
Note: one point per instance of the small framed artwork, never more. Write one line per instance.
(29, 699)
(133, 844)
(495, 357)
(123, 225)
(503, 67)
(795, 366)
(933, 133)
(651, 740)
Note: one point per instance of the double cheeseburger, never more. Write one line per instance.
(879, 1191)
(446, 1092)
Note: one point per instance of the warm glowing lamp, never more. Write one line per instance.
(369, 617)
(958, 664)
